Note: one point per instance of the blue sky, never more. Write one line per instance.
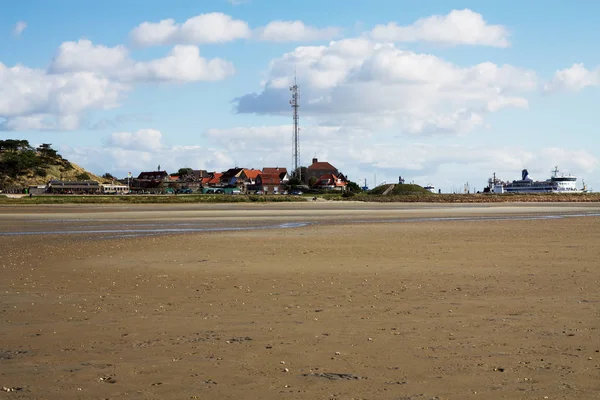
(450, 93)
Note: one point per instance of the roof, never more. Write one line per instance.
(252, 173)
(73, 183)
(281, 172)
(216, 178)
(231, 173)
(270, 179)
(152, 174)
(332, 179)
(199, 173)
(322, 165)
(274, 171)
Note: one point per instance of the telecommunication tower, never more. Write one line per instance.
(296, 145)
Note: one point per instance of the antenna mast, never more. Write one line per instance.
(296, 145)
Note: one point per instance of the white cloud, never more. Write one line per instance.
(574, 78)
(238, 2)
(83, 55)
(144, 139)
(459, 27)
(182, 64)
(357, 82)
(19, 28)
(295, 31)
(32, 99)
(204, 28)
(83, 77)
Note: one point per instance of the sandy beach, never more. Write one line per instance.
(300, 301)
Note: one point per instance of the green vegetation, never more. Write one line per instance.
(22, 165)
(84, 176)
(183, 173)
(400, 190)
(17, 158)
(353, 187)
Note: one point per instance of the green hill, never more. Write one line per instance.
(399, 190)
(22, 165)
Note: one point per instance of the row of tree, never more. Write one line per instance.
(18, 158)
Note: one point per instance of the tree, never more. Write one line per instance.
(294, 182)
(353, 187)
(312, 181)
(108, 176)
(14, 145)
(185, 174)
(84, 176)
(46, 151)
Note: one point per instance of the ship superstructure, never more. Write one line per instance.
(557, 183)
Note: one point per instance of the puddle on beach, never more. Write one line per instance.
(125, 230)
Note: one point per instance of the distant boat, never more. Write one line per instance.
(556, 184)
(430, 187)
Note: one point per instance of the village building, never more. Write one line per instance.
(153, 176)
(151, 182)
(73, 187)
(332, 182)
(231, 177)
(313, 173)
(279, 171)
(269, 184)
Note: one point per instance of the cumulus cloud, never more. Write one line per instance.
(144, 139)
(83, 55)
(459, 27)
(19, 28)
(84, 76)
(295, 31)
(33, 99)
(182, 64)
(204, 28)
(358, 82)
(574, 78)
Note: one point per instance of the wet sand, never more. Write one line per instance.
(391, 308)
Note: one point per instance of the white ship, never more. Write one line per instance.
(430, 188)
(556, 184)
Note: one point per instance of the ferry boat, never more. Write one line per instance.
(430, 188)
(556, 184)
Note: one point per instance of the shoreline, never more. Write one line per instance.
(359, 198)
